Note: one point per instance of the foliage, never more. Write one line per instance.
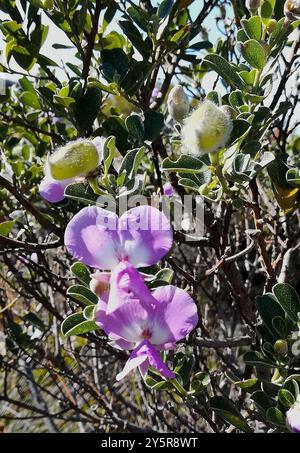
(239, 370)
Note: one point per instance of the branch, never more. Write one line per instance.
(15, 245)
(91, 42)
(30, 208)
(234, 342)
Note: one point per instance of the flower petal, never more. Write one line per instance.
(119, 343)
(99, 143)
(175, 315)
(146, 235)
(145, 355)
(129, 321)
(130, 365)
(168, 189)
(156, 361)
(92, 237)
(293, 418)
(128, 285)
(51, 190)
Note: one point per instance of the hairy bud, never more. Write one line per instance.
(292, 9)
(207, 129)
(77, 158)
(281, 347)
(252, 5)
(178, 103)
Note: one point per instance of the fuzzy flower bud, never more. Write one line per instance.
(292, 9)
(207, 129)
(293, 417)
(178, 103)
(281, 347)
(48, 4)
(77, 158)
(252, 5)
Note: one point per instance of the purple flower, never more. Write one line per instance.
(145, 322)
(154, 94)
(293, 417)
(168, 189)
(53, 190)
(99, 238)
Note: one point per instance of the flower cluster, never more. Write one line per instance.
(133, 317)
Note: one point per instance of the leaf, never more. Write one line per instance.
(269, 309)
(76, 324)
(81, 272)
(293, 177)
(89, 312)
(115, 126)
(266, 10)
(188, 183)
(275, 416)
(135, 127)
(236, 98)
(225, 70)
(139, 16)
(228, 411)
(115, 64)
(247, 383)
(131, 162)
(111, 88)
(288, 299)
(164, 8)
(185, 164)
(201, 45)
(254, 54)
(82, 193)
(137, 40)
(240, 127)
(255, 358)
(262, 400)
(153, 124)
(248, 76)
(87, 108)
(109, 152)
(82, 294)
(6, 227)
(29, 98)
(252, 27)
(213, 96)
(286, 398)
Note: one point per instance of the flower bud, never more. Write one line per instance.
(252, 5)
(48, 4)
(207, 129)
(100, 283)
(229, 111)
(281, 347)
(51, 190)
(292, 9)
(168, 189)
(293, 417)
(77, 158)
(178, 103)
(271, 25)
